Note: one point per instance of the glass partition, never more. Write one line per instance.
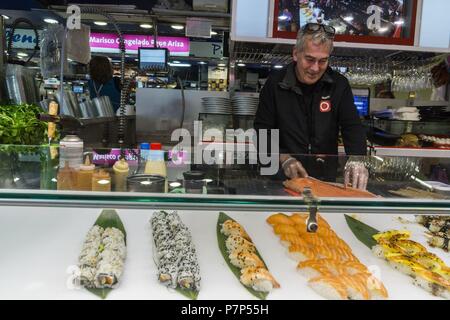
(217, 176)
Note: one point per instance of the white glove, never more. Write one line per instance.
(293, 169)
(356, 173)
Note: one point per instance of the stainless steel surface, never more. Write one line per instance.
(21, 84)
(158, 111)
(103, 107)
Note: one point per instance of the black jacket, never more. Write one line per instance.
(305, 131)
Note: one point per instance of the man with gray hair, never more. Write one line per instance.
(309, 104)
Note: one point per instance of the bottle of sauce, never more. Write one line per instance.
(156, 165)
(66, 178)
(121, 169)
(101, 181)
(84, 175)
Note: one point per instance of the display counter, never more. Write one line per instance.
(43, 229)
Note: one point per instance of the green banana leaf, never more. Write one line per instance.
(190, 294)
(108, 219)
(221, 238)
(362, 231)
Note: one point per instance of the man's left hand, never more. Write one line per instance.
(356, 174)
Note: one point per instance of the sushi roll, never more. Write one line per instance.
(408, 247)
(300, 253)
(239, 244)
(353, 267)
(313, 239)
(231, 227)
(245, 259)
(279, 218)
(86, 278)
(329, 287)
(259, 279)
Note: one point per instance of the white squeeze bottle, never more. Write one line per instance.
(155, 162)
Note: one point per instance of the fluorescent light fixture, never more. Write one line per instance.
(176, 62)
(278, 66)
(145, 26)
(100, 23)
(213, 33)
(202, 62)
(22, 54)
(177, 27)
(349, 18)
(6, 17)
(241, 64)
(221, 65)
(181, 65)
(51, 21)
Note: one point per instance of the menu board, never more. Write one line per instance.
(366, 21)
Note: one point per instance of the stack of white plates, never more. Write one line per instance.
(217, 105)
(245, 106)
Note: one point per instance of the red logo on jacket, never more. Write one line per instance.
(325, 106)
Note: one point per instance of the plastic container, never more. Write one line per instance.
(144, 148)
(84, 175)
(155, 163)
(66, 178)
(121, 170)
(101, 181)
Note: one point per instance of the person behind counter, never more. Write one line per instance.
(102, 82)
(309, 103)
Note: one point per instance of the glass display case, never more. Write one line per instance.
(45, 217)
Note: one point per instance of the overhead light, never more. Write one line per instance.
(213, 33)
(278, 66)
(241, 64)
(177, 27)
(51, 21)
(136, 59)
(145, 26)
(349, 18)
(399, 22)
(207, 180)
(100, 23)
(177, 62)
(202, 62)
(221, 65)
(181, 65)
(22, 54)
(6, 17)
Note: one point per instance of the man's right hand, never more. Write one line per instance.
(292, 168)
